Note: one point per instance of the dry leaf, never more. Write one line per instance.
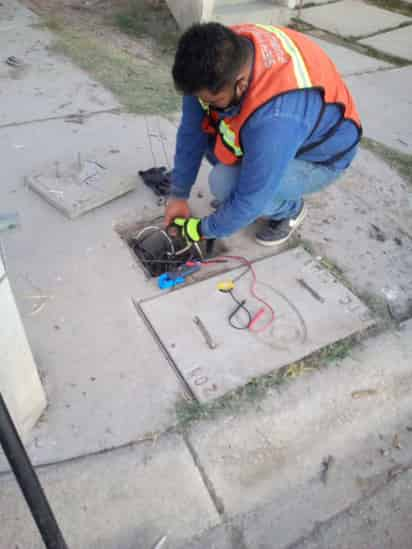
(364, 393)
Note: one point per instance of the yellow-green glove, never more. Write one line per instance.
(190, 228)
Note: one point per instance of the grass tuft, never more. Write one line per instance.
(397, 6)
(401, 162)
(139, 19)
(189, 411)
(142, 87)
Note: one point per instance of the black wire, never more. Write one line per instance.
(165, 262)
(240, 305)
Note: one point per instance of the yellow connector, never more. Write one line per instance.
(225, 286)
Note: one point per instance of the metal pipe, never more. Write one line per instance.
(28, 481)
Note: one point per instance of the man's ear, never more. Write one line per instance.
(242, 84)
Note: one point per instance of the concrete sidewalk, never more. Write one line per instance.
(254, 479)
(117, 470)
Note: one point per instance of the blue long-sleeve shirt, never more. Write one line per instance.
(271, 138)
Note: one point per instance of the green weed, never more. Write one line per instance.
(142, 87)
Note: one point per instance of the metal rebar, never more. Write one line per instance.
(205, 332)
(28, 481)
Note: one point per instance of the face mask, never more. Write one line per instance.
(234, 102)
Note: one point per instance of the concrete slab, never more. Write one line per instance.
(14, 13)
(362, 225)
(397, 42)
(73, 282)
(83, 185)
(220, 537)
(128, 498)
(377, 185)
(384, 103)
(266, 462)
(308, 316)
(46, 85)
(350, 62)
(385, 518)
(352, 18)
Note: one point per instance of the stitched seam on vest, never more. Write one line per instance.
(301, 73)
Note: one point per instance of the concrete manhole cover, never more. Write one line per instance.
(312, 310)
(86, 183)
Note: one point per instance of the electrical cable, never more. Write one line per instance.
(240, 305)
(254, 294)
(158, 258)
(169, 261)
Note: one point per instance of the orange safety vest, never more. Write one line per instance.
(285, 60)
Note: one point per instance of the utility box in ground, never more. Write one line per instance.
(19, 380)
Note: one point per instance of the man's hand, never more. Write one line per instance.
(190, 228)
(176, 207)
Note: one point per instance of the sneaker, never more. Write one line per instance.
(279, 231)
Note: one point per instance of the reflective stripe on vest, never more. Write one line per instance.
(229, 137)
(301, 73)
(227, 134)
(205, 106)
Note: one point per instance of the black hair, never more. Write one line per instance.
(209, 56)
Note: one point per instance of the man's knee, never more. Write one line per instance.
(222, 180)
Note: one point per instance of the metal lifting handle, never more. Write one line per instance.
(29, 483)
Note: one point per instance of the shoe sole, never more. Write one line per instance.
(298, 222)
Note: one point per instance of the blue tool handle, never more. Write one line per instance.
(169, 280)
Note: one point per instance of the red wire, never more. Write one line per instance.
(253, 293)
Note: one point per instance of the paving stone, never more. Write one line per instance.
(128, 498)
(352, 18)
(46, 85)
(350, 62)
(270, 453)
(308, 316)
(397, 42)
(384, 102)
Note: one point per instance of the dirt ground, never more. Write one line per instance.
(133, 41)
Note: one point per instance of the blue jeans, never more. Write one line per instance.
(300, 178)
